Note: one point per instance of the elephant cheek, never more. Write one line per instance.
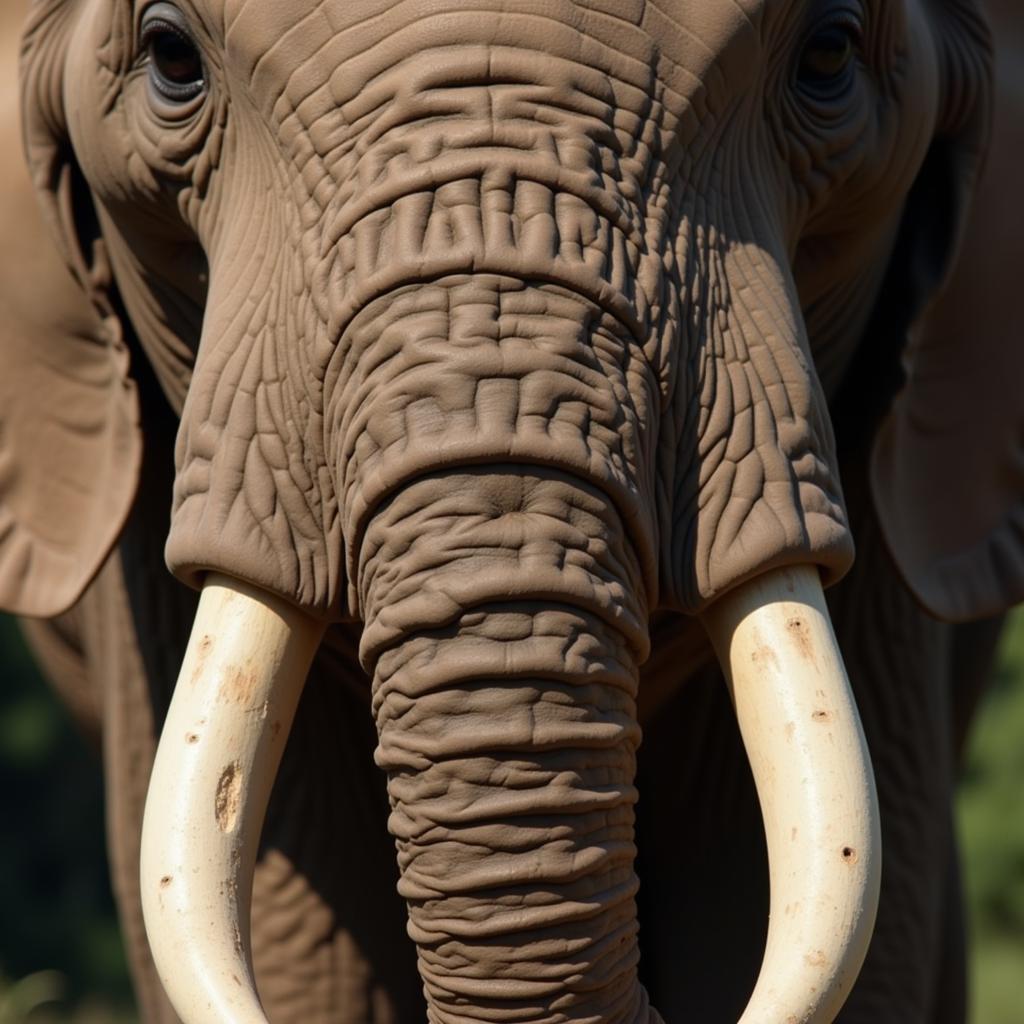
(503, 636)
(252, 498)
(747, 456)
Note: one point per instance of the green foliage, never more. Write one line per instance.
(21, 998)
(991, 816)
(997, 970)
(39, 999)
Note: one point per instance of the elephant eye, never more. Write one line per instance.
(829, 58)
(175, 65)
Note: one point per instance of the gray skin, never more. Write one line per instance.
(550, 321)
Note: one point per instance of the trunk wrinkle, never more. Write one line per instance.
(503, 640)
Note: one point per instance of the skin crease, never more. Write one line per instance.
(327, 949)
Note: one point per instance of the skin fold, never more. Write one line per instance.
(505, 342)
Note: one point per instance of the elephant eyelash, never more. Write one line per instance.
(818, 83)
(191, 86)
(156, 24)
(160, 25)
(847, 20)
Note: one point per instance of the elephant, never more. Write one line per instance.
(477, 372)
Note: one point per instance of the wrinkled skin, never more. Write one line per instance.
(409, 333)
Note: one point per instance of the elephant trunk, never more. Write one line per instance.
(503, 636)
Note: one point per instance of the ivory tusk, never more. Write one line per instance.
(232, 709)
(803, 736)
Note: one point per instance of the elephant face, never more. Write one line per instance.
(495, 329)
(362, 243)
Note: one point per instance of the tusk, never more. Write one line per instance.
(233, 705)
(803, 736)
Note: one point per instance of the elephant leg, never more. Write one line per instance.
(56, 646)
(329, 928)
(112, 664)
(973, 657)
(702, 862)
(900, 662)
(951, 988)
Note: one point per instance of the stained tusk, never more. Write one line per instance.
(233, 705)
(810, 762)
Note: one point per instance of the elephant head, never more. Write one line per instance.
(497, 328)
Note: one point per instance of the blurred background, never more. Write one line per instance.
(60, 952)
(60, 949)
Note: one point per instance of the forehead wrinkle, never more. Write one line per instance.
(259, 35)
(283, 14)
(711, 45)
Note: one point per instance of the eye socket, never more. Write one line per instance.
(829, 58)
(175, 65)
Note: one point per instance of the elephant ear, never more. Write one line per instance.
(948, 460)
(70, 445)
